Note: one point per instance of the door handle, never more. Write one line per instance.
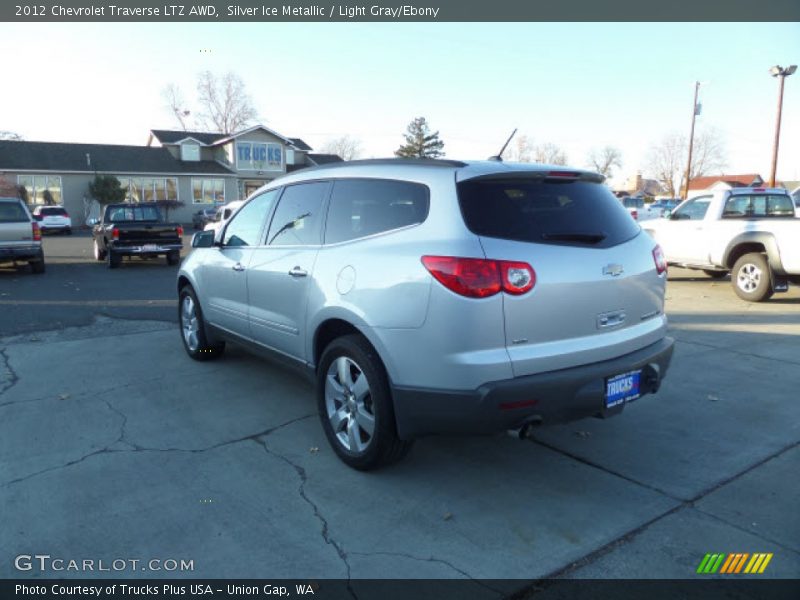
(238, 267)
(298, 272)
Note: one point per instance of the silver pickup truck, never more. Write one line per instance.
(750, 232)
(20, 236)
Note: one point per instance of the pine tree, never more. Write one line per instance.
(420, 142)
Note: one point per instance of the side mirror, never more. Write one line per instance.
(92, 222)
(203, 239)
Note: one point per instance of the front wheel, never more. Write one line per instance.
(355, 405)
(752, 278)
(113, 258)
(99, 254)
(193, 328)
(173, 258)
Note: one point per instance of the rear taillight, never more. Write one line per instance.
(479, 277)
(635, 214)
(660, 260)
(180, 230)
(115, 233)
(37, 233)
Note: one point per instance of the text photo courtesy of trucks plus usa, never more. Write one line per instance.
(327, 326)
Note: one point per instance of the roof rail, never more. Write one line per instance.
(414, 162)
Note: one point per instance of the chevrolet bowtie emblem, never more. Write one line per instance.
(613, 269)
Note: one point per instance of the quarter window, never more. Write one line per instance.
(297, 218)
(362, 207)
(208, 191)
(245, 227)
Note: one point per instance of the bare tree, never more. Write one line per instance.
(549, 153)
(604, 160)
(10, 135)
(667, 159)
(176, 104)
(225, 103)
(348, 148)
(519, 150)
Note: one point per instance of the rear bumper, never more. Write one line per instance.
(13, 253)
(135, 249)
(553, 397)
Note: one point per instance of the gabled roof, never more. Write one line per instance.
(171, 136)
(300, 144)
(107, 158)
(744, 180)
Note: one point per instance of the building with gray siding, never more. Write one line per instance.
(198, 169)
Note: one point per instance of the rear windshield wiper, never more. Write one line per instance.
(586, 238)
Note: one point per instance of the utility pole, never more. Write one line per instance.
(778, 71)
(691, 140)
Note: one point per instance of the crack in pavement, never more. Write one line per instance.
(548, 580)
(301, 473)
(108, 449)
(5, 364)
(430, 559)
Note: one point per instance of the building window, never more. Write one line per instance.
(41, 189)
(252, 156)
(208, 191)
(190, 152)
(149, 189)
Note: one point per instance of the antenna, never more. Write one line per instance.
(499, 156)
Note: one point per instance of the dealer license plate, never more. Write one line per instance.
(622, 388)
(149, 248)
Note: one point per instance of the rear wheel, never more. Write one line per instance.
(355, 405)
(173, 258)
(37, 266)
(752, 278)
(113, 258)
(715, 274)
(193, 328)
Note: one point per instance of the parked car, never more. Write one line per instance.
(660, 208)
(223, 214)
(634, 205)
(53, 218)
(750, 232)
(135, 230)
(435, 296)
(203, 217)
(20, 235)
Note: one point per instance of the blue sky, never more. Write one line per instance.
(577, 85)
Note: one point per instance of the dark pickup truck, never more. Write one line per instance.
(135, 230)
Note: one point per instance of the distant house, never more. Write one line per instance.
(194, 167)
(636, 185)
(724, 182)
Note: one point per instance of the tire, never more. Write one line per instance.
(37, 266)
(68, 231)
(715, 274)
(353, 396)
(98, 254)
(173, 258)
(752, 278)
(193, 328)
(113, 259)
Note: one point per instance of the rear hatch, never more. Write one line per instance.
(15, 224)
(53, 217)
(597, 294)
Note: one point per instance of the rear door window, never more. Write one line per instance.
(545, 211)
(362, 207)
(298, 218)
(12, 212)
(245, 227)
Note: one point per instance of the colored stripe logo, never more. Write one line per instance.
(734, 563)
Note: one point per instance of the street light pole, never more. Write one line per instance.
(691, 140)
(778, 71)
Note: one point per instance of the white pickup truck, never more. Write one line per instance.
(750, 232)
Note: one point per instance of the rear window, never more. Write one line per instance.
(133, 213)
(633, 202)
(12, 212)
(755, 206)
(545, 211)
(53, 212)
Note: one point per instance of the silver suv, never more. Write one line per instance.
(20, 236)
(436, 297)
